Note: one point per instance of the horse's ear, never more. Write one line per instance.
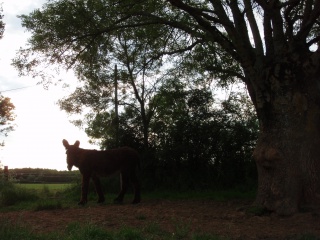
(65, 143)
(77, 144)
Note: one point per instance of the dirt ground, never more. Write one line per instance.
(221, 218)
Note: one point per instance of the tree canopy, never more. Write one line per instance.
(90, 39)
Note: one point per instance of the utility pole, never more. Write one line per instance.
(116, 104)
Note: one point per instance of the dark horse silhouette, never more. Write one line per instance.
(93, 164)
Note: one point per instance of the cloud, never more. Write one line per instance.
(13, 8)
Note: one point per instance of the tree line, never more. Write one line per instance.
(39, 175)
(193, 141)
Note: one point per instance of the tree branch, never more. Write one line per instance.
(254, 28)
(309, 20)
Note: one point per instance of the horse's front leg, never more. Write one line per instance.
(97, 185)
(84, 189)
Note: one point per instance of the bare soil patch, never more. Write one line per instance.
(221, 218)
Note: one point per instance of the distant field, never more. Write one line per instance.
(40, 186)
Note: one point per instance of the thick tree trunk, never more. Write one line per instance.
(288, 149)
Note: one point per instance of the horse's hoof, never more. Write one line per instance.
(135, 201)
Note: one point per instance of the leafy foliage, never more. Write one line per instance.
(2, 25)
(6, 116)
(211, 145)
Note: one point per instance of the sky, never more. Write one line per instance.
(40, 125)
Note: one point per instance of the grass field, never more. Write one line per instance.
(16, 196)
(53, 187)
(221, 195)
(35, 196)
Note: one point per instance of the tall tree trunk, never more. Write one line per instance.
(288, 149)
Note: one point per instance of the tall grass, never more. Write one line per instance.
(30, 197)
(12, 231)
(56, 196)
(10, 194)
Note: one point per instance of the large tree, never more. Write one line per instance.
(269, 45)
(136, 75)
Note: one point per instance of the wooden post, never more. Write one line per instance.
(6, 173)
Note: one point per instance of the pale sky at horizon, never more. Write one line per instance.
(41, 126)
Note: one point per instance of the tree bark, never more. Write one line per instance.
(288, 149)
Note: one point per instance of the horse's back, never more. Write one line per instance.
(111, 161)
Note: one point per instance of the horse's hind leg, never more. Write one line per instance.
(124, 179)
(84, 189)
(97, 185)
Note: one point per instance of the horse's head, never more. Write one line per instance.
(72, 153)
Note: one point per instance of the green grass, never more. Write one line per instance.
(11, 231)
(14, 196)
(11, 195)
(48, 205)
(72, 189)
(77, 231)
(52, 187)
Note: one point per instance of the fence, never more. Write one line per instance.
(39, 176)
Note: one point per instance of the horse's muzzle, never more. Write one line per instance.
(69, 167)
